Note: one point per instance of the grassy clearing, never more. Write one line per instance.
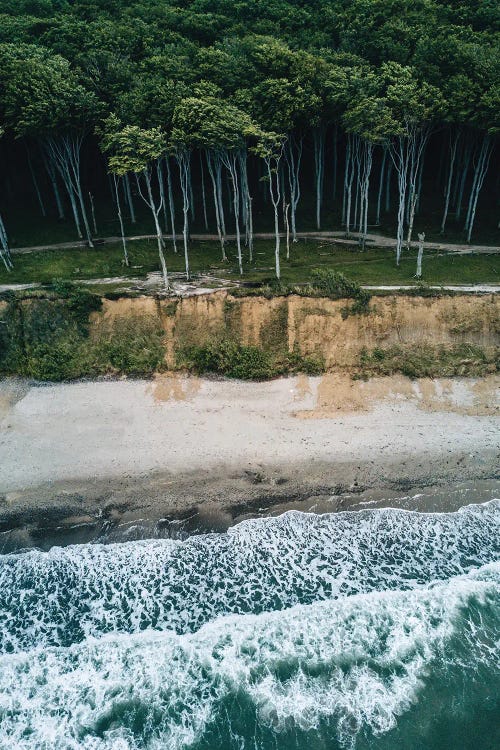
(373, 266)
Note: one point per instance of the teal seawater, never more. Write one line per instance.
(376, 629)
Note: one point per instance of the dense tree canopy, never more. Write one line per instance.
(171, 91)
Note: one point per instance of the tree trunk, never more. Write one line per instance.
(203, 194)
(230, 160)
(213, 176)
(319, 164)
(453, 153)
(381, 186)
(421, 239)
(161, 186)
(128, 194)
(184, 161)
(293, 157)
(92, 209)
(35, 182)
(155, 210)
(272, 164)
(120, 219)
(4, 247)
(287, 227)
(479, 175)
(367, 161)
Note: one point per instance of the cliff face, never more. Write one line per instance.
(55, 338)
(316, 326)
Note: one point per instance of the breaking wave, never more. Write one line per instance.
(376, 629)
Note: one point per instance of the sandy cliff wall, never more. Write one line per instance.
(316, 326)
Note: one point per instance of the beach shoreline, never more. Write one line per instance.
(116, 460)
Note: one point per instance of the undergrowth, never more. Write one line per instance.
(425, 360)
(325, 282)
(48, 336)
(234, 360)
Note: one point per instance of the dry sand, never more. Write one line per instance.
(112, 452)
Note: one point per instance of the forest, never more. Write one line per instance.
(236, 116)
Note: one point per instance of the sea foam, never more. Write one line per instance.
(342, 669)
(68, 594)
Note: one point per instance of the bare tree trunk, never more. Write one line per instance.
(453, 153)
(128, 194)
(400, 157)
(417, 144)
(213, 176)
(184, 161)
(92, 209)
(155, 210)
(65, 154)
(250, 228)
(381, 185)
(293, 156)
(161, 186)
(479, 175)
(273, 164)
(421, 240)
(120, 219)
(230, 160)
(4, 247)
(35, 182)
(319, 163)
(287, 226)
(171, 203)
(203, 194)
(367, 161)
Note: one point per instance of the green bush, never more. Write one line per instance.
(55, 362)
(337, 286)
(425, 360)
(228, 358)
(234, 360)
(133, 345)
(334, 284)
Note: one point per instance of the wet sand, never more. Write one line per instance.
(122, 459)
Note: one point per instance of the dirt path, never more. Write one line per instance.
(376, 240)
(209, 284)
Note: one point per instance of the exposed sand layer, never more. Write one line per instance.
(104, 454)
(315, 326)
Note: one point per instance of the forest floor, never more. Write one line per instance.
(374, 240)
(103, 265)
(77, 456)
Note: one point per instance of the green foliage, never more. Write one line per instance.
(231, 359)
(132, 345)
(228, 358)
(425, 360)
(81, 302)
(336, 286)
(211, 123)
(50, 339)
(132, 148)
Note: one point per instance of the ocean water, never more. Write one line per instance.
(372, 629)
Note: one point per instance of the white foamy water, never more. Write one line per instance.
(67, 594)
(357, 663)
(291, 633)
